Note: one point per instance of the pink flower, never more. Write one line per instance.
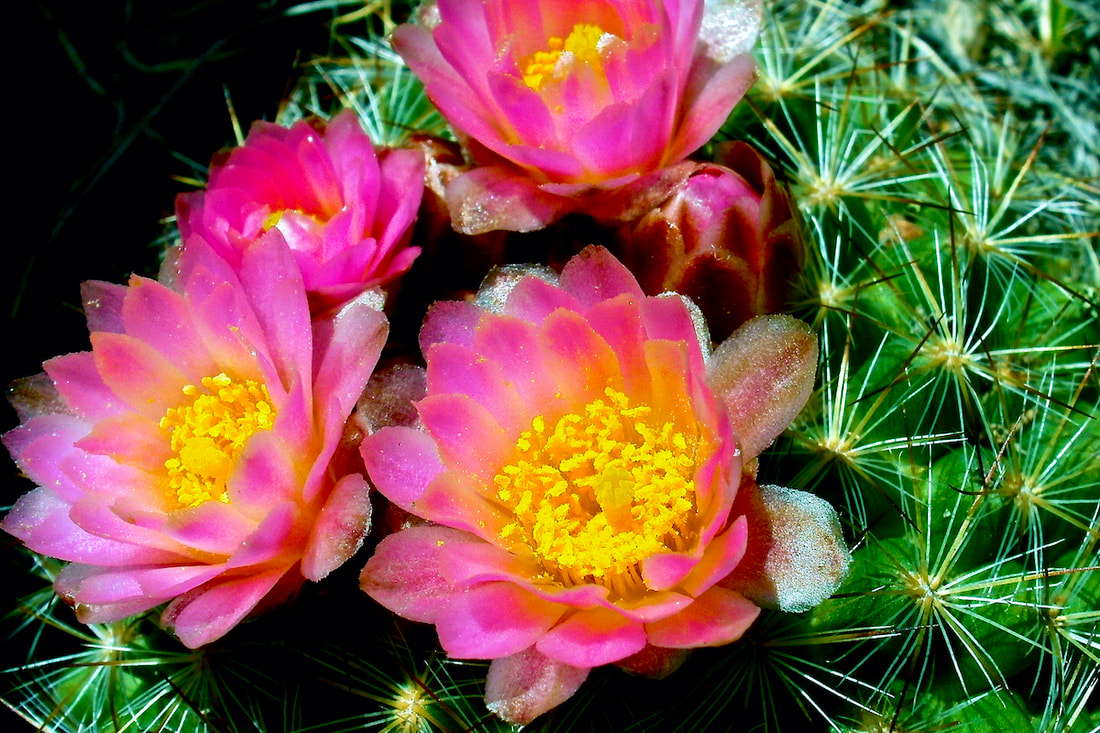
(186, 458)
(729, 238)
(578, 456)
(345, 210)
(563, 102)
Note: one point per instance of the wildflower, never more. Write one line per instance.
(577, 105)
(345, 209)
(185, 459)
(578, 458)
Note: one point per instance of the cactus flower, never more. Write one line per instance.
(728, 237)
(186, 458)
(577, 457)
(345, 209)
(577, 105)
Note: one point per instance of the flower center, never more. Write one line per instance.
(600, 491)
(208, 431)
(581, 46)
(272, 220)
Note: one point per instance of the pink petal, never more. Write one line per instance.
(666, 570)
(667, 317)
(640, 128)
(533, 299)
(105, 477)
(525, 685)
(618, 321)
(582, 363)
(81, 387)
(564, 171)
(595, 275)
(41, 520)
(524, 20)
(493, 620)
(454, 500)
(460, 103)
(459, 370)
(648, 607)
(578, 596)
(401, 462)
(95, 516)
(138, 374)
(716, 482)
(109, 586)
(480, 562)
(103, 305)
(717, 617)
(515, 346)
(107, 613)
(722, 555)
(464, 41)
(211, 527)
(668, 363)
(274, 285)
(231, 335)
(468, 437)
(339, 530)
(130, 439)
(278, 540)
(401, 176)
(405, 573)
(490, 198)
(160, 318)
(349, 343)
(710, 97)
(593, 637)
(631, 68)
(207, 614)
(43, 446)
(354, 158)
(524, 109)
(265, 474)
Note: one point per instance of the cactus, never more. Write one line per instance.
(945, 158)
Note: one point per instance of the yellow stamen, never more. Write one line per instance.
(272, 220)
(207, 433)
(582, 45)
(601, 490)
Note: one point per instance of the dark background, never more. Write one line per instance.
(107, 102)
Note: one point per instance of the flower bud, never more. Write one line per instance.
(728, 237)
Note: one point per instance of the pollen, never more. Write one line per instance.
(601, 490)
(208, 432)
(581, 46)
